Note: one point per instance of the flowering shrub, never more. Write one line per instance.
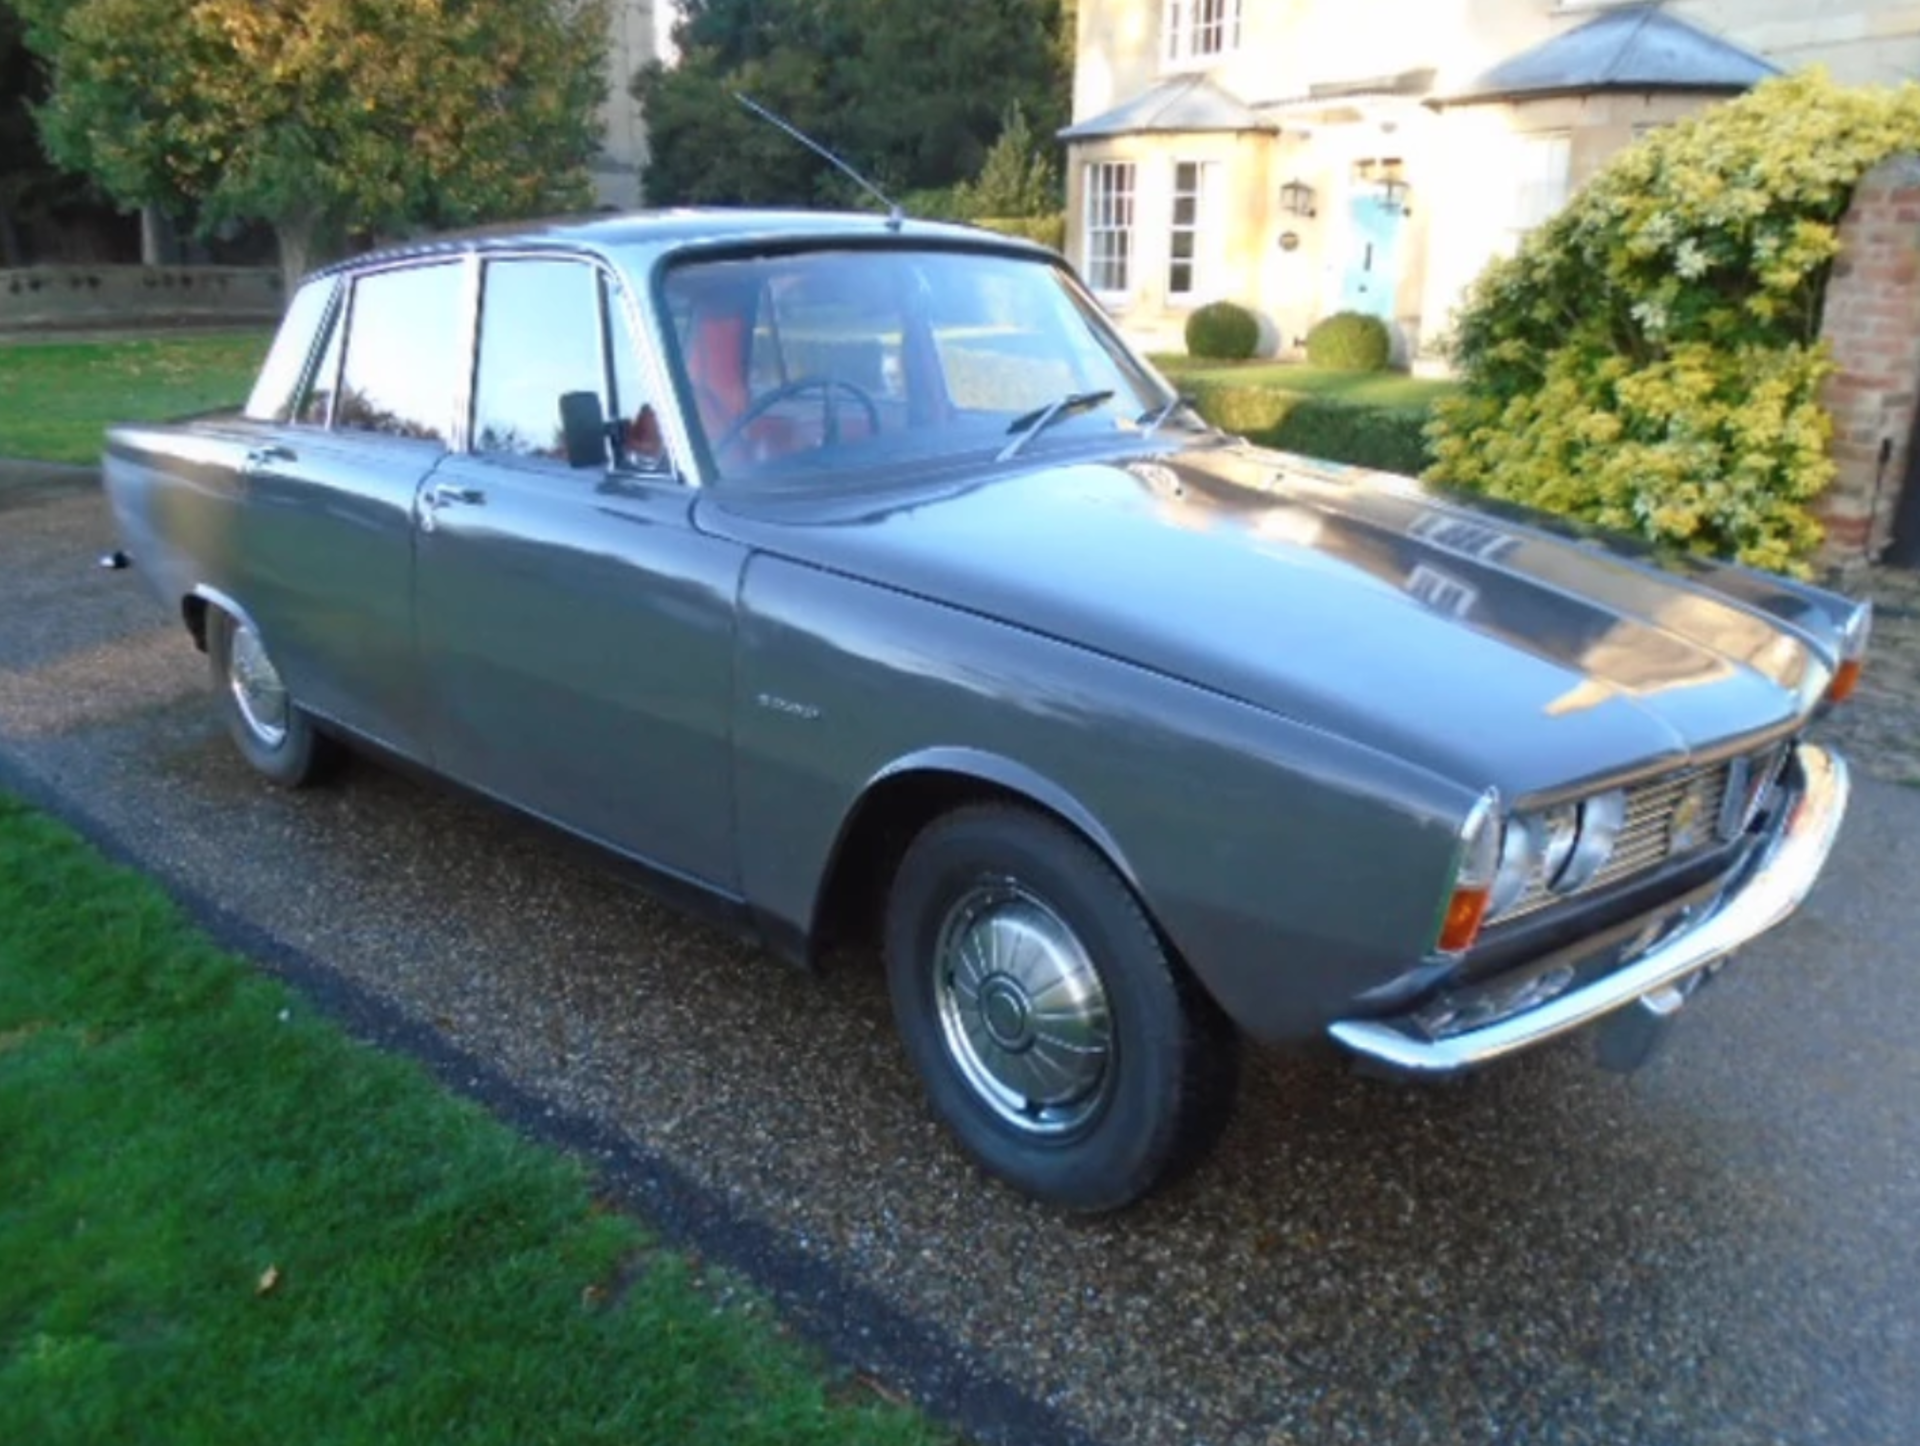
(1650, 358)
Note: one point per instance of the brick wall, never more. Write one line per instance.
(1873, 326)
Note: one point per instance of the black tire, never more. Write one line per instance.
(992, 873)
(300, 754)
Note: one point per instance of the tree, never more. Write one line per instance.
(325, 117)
(910, 95)
(1018, 178)
(30, 185)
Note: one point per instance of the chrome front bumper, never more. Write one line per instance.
(1770, 888)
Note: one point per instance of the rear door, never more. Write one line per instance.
(575, 632)
(329, 529)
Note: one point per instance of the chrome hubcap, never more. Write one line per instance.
(257, 688)
(1022, 1009)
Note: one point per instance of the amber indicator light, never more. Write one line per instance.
(1844, 681)
(1464, 915)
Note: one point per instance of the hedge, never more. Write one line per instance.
(1392, 439)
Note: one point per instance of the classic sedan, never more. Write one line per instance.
(852, 578)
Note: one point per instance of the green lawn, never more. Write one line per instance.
(56, 398)
(221, 1220)
(1369, 389)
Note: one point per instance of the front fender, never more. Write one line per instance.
(1292, 870)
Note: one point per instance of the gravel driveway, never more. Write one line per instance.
(1720, 1249)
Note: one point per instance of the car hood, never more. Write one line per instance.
(1486, 648)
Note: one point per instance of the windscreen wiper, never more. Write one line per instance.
(1029, 425)
(1149, 421)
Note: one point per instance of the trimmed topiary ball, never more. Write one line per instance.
(1350, 341)
(1221, 331)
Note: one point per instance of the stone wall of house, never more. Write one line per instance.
(1872, 323)
(54, 298)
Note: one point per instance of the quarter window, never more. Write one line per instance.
(403, 353)
(1195, 185)
(272, 397)
(1109, 226)
(642, 444)
(1198, 30)
(316, 401)
(539, 339)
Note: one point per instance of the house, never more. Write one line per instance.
(1304, 157)
(636, 33)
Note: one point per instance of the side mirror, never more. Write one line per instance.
(583, 422)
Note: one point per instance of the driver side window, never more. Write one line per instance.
(539, 341)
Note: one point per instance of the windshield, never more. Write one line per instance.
(815, 363)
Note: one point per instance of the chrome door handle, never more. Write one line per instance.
(260, 458)
(450, 494)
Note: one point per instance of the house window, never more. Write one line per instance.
(1197, 30)
(1195, 186)
(1540, 171)
(1109, 226)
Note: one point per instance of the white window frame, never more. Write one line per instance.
(1112, 192)
(1202, 229)
(1544, 178)
(1199, 32)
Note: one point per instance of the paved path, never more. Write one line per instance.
(1721, 1249)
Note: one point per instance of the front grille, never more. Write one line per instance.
(1672, 817)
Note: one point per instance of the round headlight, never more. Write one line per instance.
(1599, 829)
(1519, 857)
(1559, 830)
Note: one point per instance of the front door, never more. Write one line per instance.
(575, 633)
(1372, 277)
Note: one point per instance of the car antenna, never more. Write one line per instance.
(894, 214)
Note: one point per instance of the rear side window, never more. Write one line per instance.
(404, 353)
(272, 398)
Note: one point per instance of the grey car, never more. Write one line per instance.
(850, 578)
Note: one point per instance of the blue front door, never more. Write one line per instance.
(1373, 258)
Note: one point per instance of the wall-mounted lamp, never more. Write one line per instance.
(1387, 179)
(1296, 199)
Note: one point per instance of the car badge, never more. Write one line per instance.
(1684, 829)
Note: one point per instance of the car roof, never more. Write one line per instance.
(667, 230)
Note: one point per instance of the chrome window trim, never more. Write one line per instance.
(653, 374)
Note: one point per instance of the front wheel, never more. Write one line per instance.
(1056, 1037)
(264, 721)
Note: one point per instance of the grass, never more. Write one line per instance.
(1388, 390)
(221, 1220)
(56, 398)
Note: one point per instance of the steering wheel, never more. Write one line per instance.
(767, 401)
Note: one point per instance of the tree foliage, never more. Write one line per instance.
(1650, 360)
(1018, 177)
(325, 116)
(913, 96)
(30, 184)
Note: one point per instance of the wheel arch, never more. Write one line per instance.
(902, 799)
(194, 606)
